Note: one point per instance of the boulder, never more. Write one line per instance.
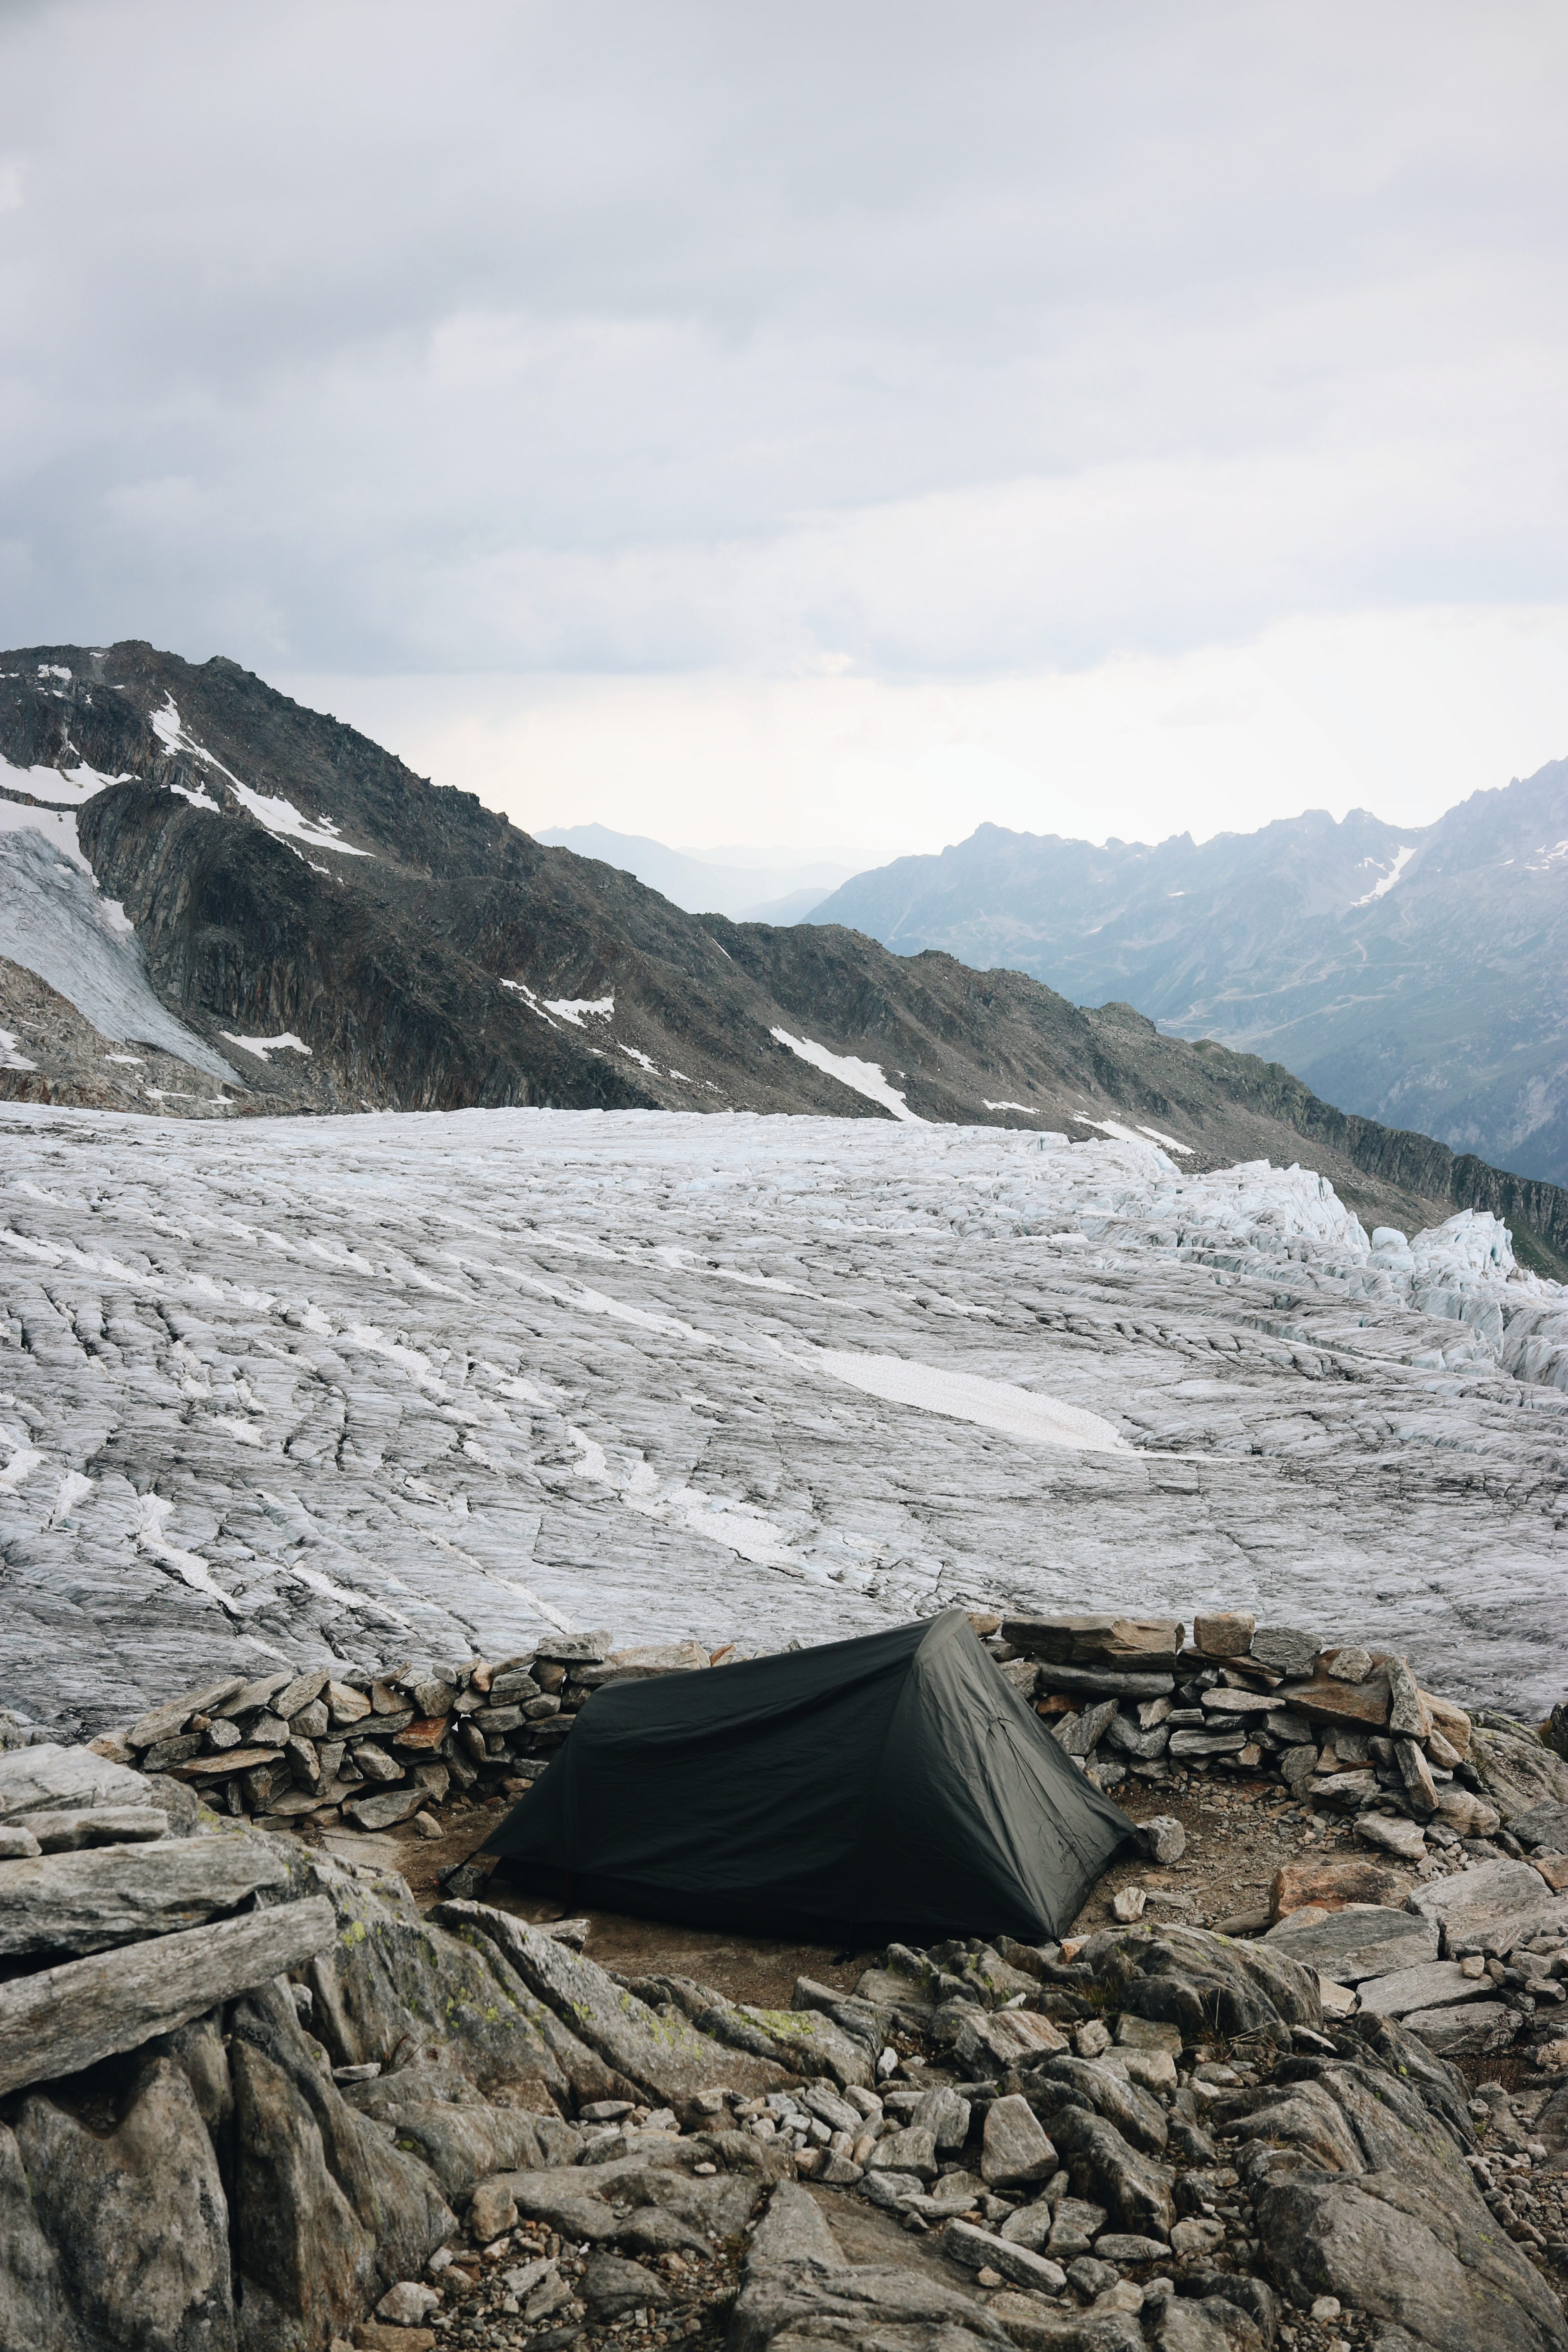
(1519, 1772)
(612, 2287)
(1544, 1826)
(1437, 2266)
(1360, 1939)
(135, 2215)
(1009, 2038)
(1203, 1984)
(1085, 2083)
(1284, 1650)
(1107, 2170)
(327, 2215)
(1394, 1833)
(1224, 1634)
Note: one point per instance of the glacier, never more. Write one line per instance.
(389, 1386)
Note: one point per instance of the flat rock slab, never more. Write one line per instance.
(66, 2018)
(1490, 1908)
(1437, 1984)
(1363, 1939)
(97, 1825)
(50, 1778)
(1465, 2030)
(1323, 1698)
(120, 1894)
(1330, 1884)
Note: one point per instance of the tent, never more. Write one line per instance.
(896, 1785)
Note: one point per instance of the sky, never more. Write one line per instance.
(828, 427)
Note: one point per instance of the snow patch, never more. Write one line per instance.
(577, 1009)
(1030, 1108)
(1401, 859)
(262, 1048)
(288, 824)
(11, 1055)
(861, 1077)
(963, 1396)
(1168, 1142)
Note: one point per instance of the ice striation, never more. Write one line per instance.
(425, 1385)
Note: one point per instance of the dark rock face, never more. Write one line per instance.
(420, 973)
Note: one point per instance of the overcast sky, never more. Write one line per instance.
(811, 424)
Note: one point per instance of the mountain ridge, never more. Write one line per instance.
(1410, 972)
(346, 935)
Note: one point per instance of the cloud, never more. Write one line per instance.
(898, 338)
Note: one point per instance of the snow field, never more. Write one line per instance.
(420, 1385)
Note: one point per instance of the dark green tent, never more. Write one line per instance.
(896, 1785)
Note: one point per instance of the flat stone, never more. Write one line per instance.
(1285, 1650)
(1077, 2225)
(1393, 1833)
(63, 2018)
(1010, 2037)
(1226, 1634)
(97, 1825)
(1115, 2246)
(1015, 2150)
(1434, 1985)
(163, 1722)
(52, 1779)
(225, 1765)
(978, 2250)
(120, 1895)
(1361, 1939)
(1207, 1743)
(1103, 1682)
(380, 1813)
(1490, 1907)
(1098, 1639)
(1465, 1813)
(1224, 1700)
(1330, 1884)
(913, 2149)
(1324, 1698)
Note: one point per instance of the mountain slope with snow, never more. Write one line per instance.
(341, 935)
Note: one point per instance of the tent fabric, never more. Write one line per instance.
(893, 1786)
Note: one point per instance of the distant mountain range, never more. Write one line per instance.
(213, 901)
(1416, 974)
(776, 891)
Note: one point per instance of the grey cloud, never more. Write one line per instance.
(599, 335)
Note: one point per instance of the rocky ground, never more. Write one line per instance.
(1296, 2075)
